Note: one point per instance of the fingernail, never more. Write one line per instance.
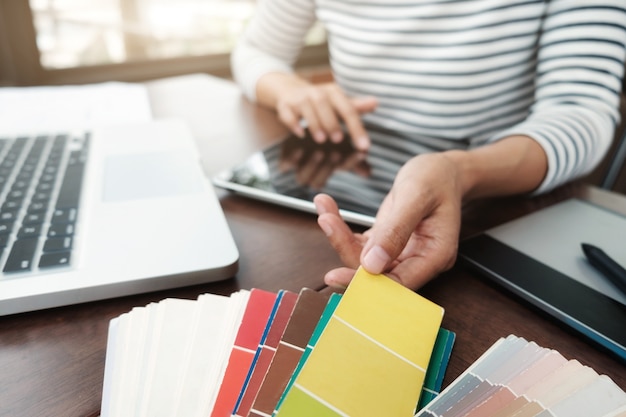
(328, 231)
(336, 136)
(320, 136)
(362, 142)
(375, 260)
(318, 207)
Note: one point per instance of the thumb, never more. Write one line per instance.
(397, 219)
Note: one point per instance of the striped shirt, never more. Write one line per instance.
(465, 70)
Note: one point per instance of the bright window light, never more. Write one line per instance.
(74, 33)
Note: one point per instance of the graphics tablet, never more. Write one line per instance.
(292, 172)
(539, 258)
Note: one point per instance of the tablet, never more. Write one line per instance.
(294, 170)
(539, 258)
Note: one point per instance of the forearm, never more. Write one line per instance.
(272, 41)
(575, 111)
(513, 165)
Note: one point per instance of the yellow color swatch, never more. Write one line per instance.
(372, 356)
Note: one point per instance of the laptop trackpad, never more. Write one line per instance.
(152, 175)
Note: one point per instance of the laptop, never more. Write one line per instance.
(539, 258)
(110, 211)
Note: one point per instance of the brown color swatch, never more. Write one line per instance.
(305, 316)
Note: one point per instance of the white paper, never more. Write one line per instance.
(169, 358)
(25, 110)
(214, 335)
(168, 345)
(127, 379)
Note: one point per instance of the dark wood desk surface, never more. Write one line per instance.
(52, 361)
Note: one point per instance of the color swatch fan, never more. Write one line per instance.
(378, 349)
(517, 378)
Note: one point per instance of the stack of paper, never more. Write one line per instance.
(55, 108)
(378, 349)
(517, 378)
(168, 358)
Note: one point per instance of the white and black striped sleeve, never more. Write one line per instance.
(577, 87)
(272, 41)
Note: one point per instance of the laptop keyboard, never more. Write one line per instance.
(40, 183)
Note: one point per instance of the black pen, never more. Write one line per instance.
(606, 265)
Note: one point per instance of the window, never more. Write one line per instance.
(57, 41)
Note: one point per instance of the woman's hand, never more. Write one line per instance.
(416, 232)
(320, 107)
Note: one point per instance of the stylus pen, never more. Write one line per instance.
(606, 265)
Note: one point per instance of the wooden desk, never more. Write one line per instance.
(52, 362)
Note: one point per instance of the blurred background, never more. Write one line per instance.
(52, 42)
(77, 41)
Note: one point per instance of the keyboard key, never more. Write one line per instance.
(57, 230)
(8, 216)
(49, 260)
(29, 231)
(44, 186)
(55, 244)
(14, 202)
(16, 194)
(9, 162)
(65, 215)
(33, 218)
(42, 196)
(47, 177)
(70, 189)
(37, 207)
(10, 205)
(20, 184)
(21, 255)
(5, 228)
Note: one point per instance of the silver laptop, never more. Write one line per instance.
(116, 211)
